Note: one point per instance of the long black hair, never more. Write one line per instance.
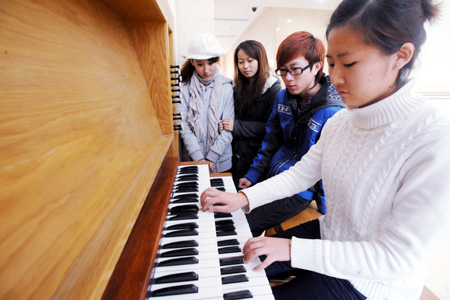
(246, 92)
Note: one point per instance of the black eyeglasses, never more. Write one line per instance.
(292, 71)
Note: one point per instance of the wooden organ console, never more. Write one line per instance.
(88, 150)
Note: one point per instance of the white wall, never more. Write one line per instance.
(193, 17)
(434, 60)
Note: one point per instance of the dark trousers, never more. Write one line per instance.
(307, 284)
(274, 213)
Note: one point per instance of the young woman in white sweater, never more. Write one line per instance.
(384, 162)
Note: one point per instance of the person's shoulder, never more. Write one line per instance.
(332, 95)
(282, 96)
(184, 84)
(277, 84)
(272, 84)
(272, 81)
(227, 85)
(328, 111)
(226, 80)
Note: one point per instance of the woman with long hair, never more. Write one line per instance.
(255, 90)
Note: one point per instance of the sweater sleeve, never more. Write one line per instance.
(299, 177)
(417, 219)
(189, 139)
(225, 137)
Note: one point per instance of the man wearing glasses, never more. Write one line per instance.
(299, 113)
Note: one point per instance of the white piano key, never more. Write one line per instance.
(202, 264)
(202, 282)
(257, 286)
(209, 293)
(202, 273)
(205, 255)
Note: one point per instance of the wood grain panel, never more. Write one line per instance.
(90, 274)
(80, 143)
(132, 273)
(154, 59)
(137, 9)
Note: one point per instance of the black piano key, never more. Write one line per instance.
(231, 242)
(181, 244)
(221, 215)
(186, 184)
(225, 227)
(178, 217)
(217, 185)
(234, 279)
(217, 182)
(232, 270)
(180, 168)
(226, 233)
(188, 170)
(231, 261)
(178, 262)
(183, 196)
(184, 208)
(221, 189)
(187, 167)
(185, 200)
(187, 178)
(183, 232)
(180, 252)
(231, 249)
(186, 276)
(175, 290)
(244, 294)
(181, 213)
(224, 222)
(190, 226)
(185, 189)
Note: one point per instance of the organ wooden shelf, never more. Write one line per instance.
(85, 124)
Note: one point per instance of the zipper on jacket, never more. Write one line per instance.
(271, 173)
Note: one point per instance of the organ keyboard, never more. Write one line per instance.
(200, 253)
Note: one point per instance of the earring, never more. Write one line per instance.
(396, 65)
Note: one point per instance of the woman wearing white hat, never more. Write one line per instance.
(207, 98)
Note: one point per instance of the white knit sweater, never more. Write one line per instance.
(386, 175)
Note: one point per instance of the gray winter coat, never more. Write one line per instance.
(193, 148)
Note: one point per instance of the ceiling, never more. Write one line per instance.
(233, 17)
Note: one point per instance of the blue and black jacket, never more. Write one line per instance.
(291, 131)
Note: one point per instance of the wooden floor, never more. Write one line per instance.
(310, 214)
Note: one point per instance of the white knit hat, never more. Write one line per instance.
(204, 46)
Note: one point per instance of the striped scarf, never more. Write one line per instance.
(196, 107)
